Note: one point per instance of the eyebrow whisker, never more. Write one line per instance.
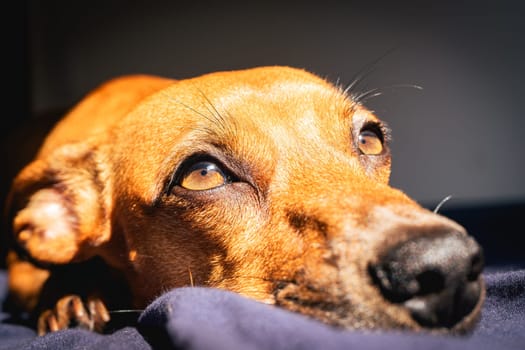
(213, 111)
(364, 72)
(375, 92)
(171, 99)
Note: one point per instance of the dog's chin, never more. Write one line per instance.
(341, 313)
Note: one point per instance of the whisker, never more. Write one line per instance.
(366, 71)
(171, 99)
(215, 112)
(126, 311)
(191, 277)
(367, 95)
(440, 204)
(338, 81)
(213, 115)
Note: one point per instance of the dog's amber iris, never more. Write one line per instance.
(203, 176)
(369, 143)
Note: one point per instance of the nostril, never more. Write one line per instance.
(394, 287)
(436, 278)
(430, 281)
(398, 286)
(476, 266)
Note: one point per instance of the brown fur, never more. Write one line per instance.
(298, 227)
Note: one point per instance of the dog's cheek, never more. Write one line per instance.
(233, 223)
(378, 168)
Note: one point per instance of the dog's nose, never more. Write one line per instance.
(436, 277)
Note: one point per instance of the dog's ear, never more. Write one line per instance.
(58, 205)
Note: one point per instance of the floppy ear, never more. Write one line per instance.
(57, 205)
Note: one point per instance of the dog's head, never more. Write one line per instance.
(269, 182)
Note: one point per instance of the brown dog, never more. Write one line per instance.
(269, 182)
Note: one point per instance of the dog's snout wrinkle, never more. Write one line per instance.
(302, 222)
(436, 278)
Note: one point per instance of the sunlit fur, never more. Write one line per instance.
(304, 214)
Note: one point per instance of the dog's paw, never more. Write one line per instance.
(71, 312)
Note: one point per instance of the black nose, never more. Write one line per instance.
(436, 277)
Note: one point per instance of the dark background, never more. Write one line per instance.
(461, 135)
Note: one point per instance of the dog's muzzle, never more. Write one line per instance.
(436, 278)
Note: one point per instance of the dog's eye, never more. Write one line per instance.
(203, 176)
(370, 142)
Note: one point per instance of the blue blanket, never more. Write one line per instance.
(202, 318)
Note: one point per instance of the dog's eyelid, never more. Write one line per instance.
(378, 128)
(387, 133)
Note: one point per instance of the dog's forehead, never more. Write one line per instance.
(283, 109)
(256, 115)
(269, 97)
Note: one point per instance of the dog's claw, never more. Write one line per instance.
(47, 322)
(99, 313)
(71, 312)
